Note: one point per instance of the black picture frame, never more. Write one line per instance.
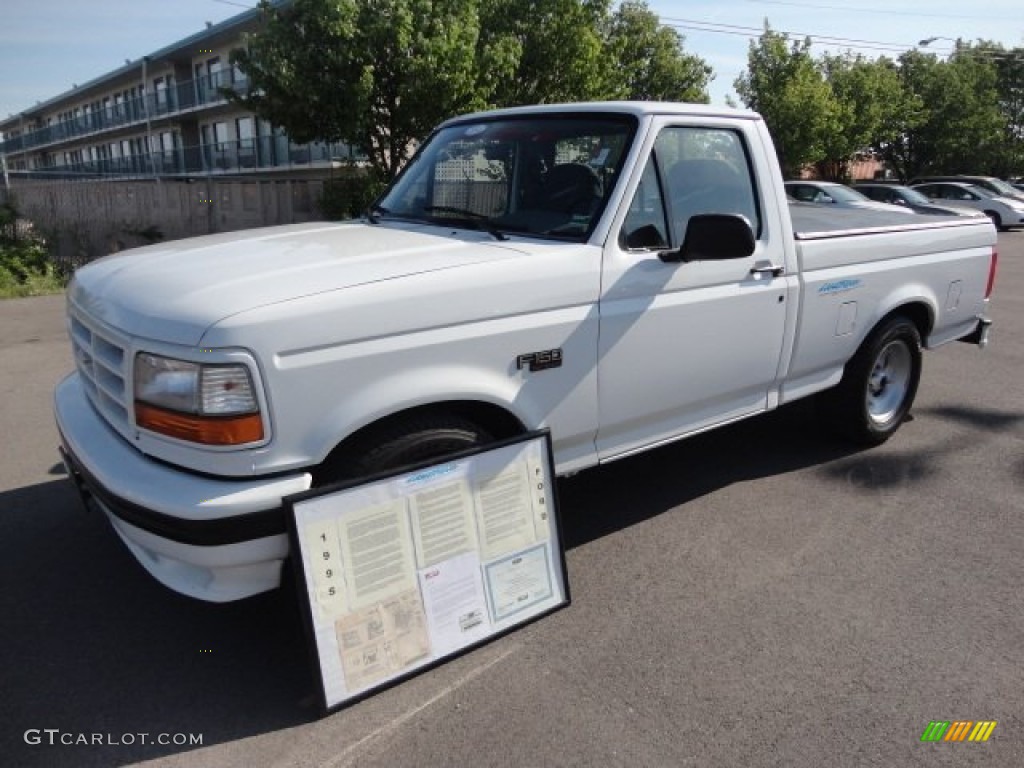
(321, 511)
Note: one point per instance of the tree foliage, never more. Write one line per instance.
(649, 56)
(378, 74)
(870, 109)
(556, 47)
(920, 113)
(957, 126)
(786, 86)
(1007, 157)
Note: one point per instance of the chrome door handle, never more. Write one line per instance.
(767, 268)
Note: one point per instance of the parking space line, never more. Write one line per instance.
(343, 757)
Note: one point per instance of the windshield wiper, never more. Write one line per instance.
(372, 210)
(481, 221)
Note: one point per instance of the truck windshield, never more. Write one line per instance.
(546, 176)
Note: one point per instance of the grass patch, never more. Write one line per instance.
(25, 266)
(26, 270)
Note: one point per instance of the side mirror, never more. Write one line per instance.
(714, 237)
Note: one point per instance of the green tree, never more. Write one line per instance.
(651, 64)
(556, 46)
(959, 127)
(869, 110)
(1007, 158)
(785, 85)
(377, 74)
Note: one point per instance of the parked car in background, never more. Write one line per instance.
(831, 193)
(991, 183)
(1005, 212)
(898, 194)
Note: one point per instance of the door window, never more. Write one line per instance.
(691, 171)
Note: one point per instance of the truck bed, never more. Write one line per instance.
(817, 222)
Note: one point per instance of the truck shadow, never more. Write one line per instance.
(600, 502)
(96, 646)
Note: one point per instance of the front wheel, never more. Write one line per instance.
(879, 384)
(401, 442)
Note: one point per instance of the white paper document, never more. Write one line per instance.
(504, 512)
(442, 522)
(377, 553)
(382, 640)
(330, 593)
(453, 597)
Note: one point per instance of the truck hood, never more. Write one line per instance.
(174, 291)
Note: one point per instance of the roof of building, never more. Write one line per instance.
(226, 30)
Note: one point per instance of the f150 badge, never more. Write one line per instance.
(540, 361)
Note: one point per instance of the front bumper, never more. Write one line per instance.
(210, 538)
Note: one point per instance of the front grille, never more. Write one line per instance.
(102, 361)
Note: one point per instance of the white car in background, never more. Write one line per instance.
(1005, 212)
(833, 193)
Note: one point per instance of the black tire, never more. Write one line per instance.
(878, 385)
(996, 219)
(401, 442)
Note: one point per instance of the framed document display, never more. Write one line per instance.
(400, 571)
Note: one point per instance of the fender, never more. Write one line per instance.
(916, 299)
(407, 389)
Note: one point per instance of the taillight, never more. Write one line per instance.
(991, 274)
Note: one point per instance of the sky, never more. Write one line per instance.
(46, 46)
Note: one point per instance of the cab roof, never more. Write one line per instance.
(635, 108)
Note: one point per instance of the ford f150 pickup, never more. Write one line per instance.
(623, 274)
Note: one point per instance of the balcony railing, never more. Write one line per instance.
(247, 155)
(155, 104)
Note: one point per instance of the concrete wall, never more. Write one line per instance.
(88, 219)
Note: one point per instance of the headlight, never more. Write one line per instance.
(214, 404)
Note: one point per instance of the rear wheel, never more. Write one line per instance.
(879, 384)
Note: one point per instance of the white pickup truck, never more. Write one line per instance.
(624, 274)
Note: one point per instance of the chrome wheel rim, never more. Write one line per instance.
(889, 382)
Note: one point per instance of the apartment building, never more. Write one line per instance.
(164, 115)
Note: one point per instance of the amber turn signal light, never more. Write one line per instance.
(208, 430)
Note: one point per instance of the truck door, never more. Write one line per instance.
(684, 346)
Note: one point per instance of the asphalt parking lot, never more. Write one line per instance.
(758, 596)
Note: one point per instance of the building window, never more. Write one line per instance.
(159, 95)
(246, 142)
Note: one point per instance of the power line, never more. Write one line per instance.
(848, 8)
(752, 32)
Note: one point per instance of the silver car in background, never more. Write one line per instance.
(994, 185)
(898, 194)
(1005, 212)
(831, 193)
